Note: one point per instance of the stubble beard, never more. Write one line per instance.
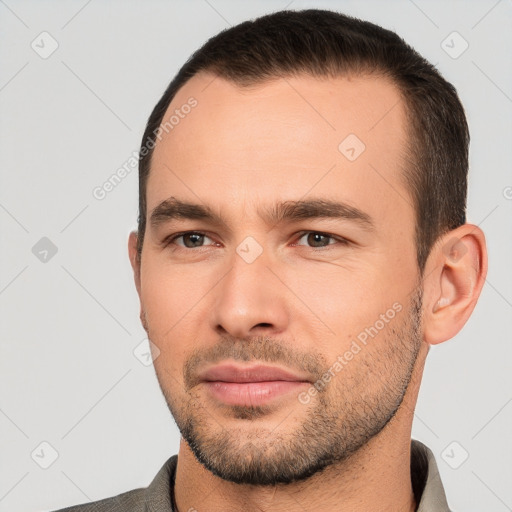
(353, 408)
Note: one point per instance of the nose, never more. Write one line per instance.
(249, 300)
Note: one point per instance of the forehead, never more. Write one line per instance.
(341, 137)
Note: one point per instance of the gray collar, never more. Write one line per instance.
(427, 485)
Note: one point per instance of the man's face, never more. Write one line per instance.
(286, 342)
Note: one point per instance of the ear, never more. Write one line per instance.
(134, 259)
(453, 279)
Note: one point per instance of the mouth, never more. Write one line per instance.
(253, 385)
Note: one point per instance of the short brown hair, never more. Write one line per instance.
(324, 43)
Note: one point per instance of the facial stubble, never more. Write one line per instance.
(341, 418)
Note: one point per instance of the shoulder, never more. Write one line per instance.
(132, 501)
(157, 496)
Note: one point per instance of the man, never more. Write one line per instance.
(301, 243)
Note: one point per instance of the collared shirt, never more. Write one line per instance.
(158, 496)
(426, 481)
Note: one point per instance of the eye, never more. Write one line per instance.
(190, 239)
(319, 240)
(197, 239)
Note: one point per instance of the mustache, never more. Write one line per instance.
(262, 349)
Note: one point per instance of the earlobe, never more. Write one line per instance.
(454, 277)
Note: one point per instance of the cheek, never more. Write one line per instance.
(343, 309)
(170, 299)
(170, 294)
(345, 298)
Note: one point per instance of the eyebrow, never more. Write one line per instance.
(291, 211)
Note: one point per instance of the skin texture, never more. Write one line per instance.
(298, 305)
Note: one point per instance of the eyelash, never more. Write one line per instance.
(172, 238)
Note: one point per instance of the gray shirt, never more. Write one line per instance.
(158, 496)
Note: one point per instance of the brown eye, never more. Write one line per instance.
(193, 240)
(190, 240)
(317, 240)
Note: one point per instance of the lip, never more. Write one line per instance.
(253, 373)
(250, 385)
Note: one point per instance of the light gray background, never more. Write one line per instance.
(70, 325)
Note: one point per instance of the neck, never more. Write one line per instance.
(375, 478)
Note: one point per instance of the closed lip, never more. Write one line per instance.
(253, 373)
